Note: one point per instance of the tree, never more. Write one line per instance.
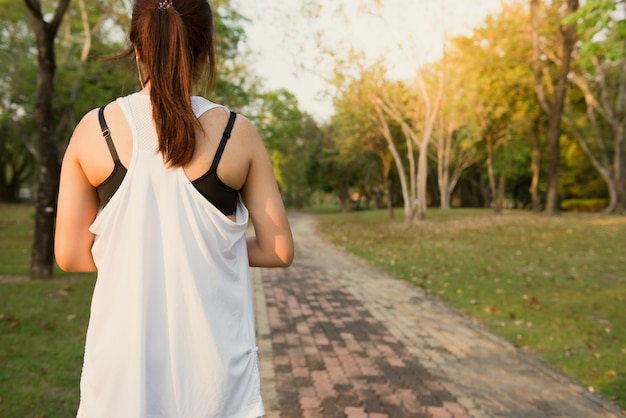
(236, 85)
(288, 134)
(17, 164)
(553, 106)
(497, 86)
(357, 124)
(49, 170)
(601, 78)
(418, 125)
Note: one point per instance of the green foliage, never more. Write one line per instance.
(602, 30)
(579, 179)
(237, 86)
(584, 205)
(290, 137)
(553, 287)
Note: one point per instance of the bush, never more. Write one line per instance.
(584, 205)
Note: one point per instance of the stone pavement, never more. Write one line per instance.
(338, 338)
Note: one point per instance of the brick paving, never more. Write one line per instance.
(338, 338)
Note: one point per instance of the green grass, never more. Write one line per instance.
(554, 287)
(42, 328)
(16, 234)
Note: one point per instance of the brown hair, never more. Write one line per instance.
(174, 38)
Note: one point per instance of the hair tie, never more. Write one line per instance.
(166, 4)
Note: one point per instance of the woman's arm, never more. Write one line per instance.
(272, 244)
(76, 210)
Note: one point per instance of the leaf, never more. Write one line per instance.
(13, 321)
(491, 309)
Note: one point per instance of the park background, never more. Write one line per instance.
(477, 153)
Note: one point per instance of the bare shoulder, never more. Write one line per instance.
(84, 133)
(88, 132)
(89, 149)
(246, 134)
(87, 125)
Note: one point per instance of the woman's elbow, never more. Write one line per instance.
(74, 266)
(285, 252)
(70, 262)
(286, 258)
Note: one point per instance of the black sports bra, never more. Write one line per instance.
(209, 184)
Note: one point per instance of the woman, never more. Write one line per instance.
(156, 191)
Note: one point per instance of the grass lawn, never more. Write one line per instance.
(554, 287)
(42, 328)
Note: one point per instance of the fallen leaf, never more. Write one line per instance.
(491, 309)
(13, 321)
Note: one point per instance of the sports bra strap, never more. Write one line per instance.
(107, 134)
(225, 137)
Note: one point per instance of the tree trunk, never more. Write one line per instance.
(386, 170)
(42, 260)
(619, 177)
(554, 108)
(387, 186)
(493, 186)
(344, 198)
(443, 168)
(535, 165)
(422, 173)
(501, 198)
(383, 128)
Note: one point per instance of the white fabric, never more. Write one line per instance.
(171, 332)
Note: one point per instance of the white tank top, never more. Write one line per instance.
(171, 331)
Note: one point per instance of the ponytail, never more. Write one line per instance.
(169, 66)
(172, 37)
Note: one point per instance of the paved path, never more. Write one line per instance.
(339, 338)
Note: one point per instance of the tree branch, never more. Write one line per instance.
(58, 15)
(34, 8)
(537, 71)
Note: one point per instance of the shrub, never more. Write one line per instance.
(584, 205)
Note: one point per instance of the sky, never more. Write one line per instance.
(282, 35)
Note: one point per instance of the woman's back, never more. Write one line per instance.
(233, 165)
(171, 330)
